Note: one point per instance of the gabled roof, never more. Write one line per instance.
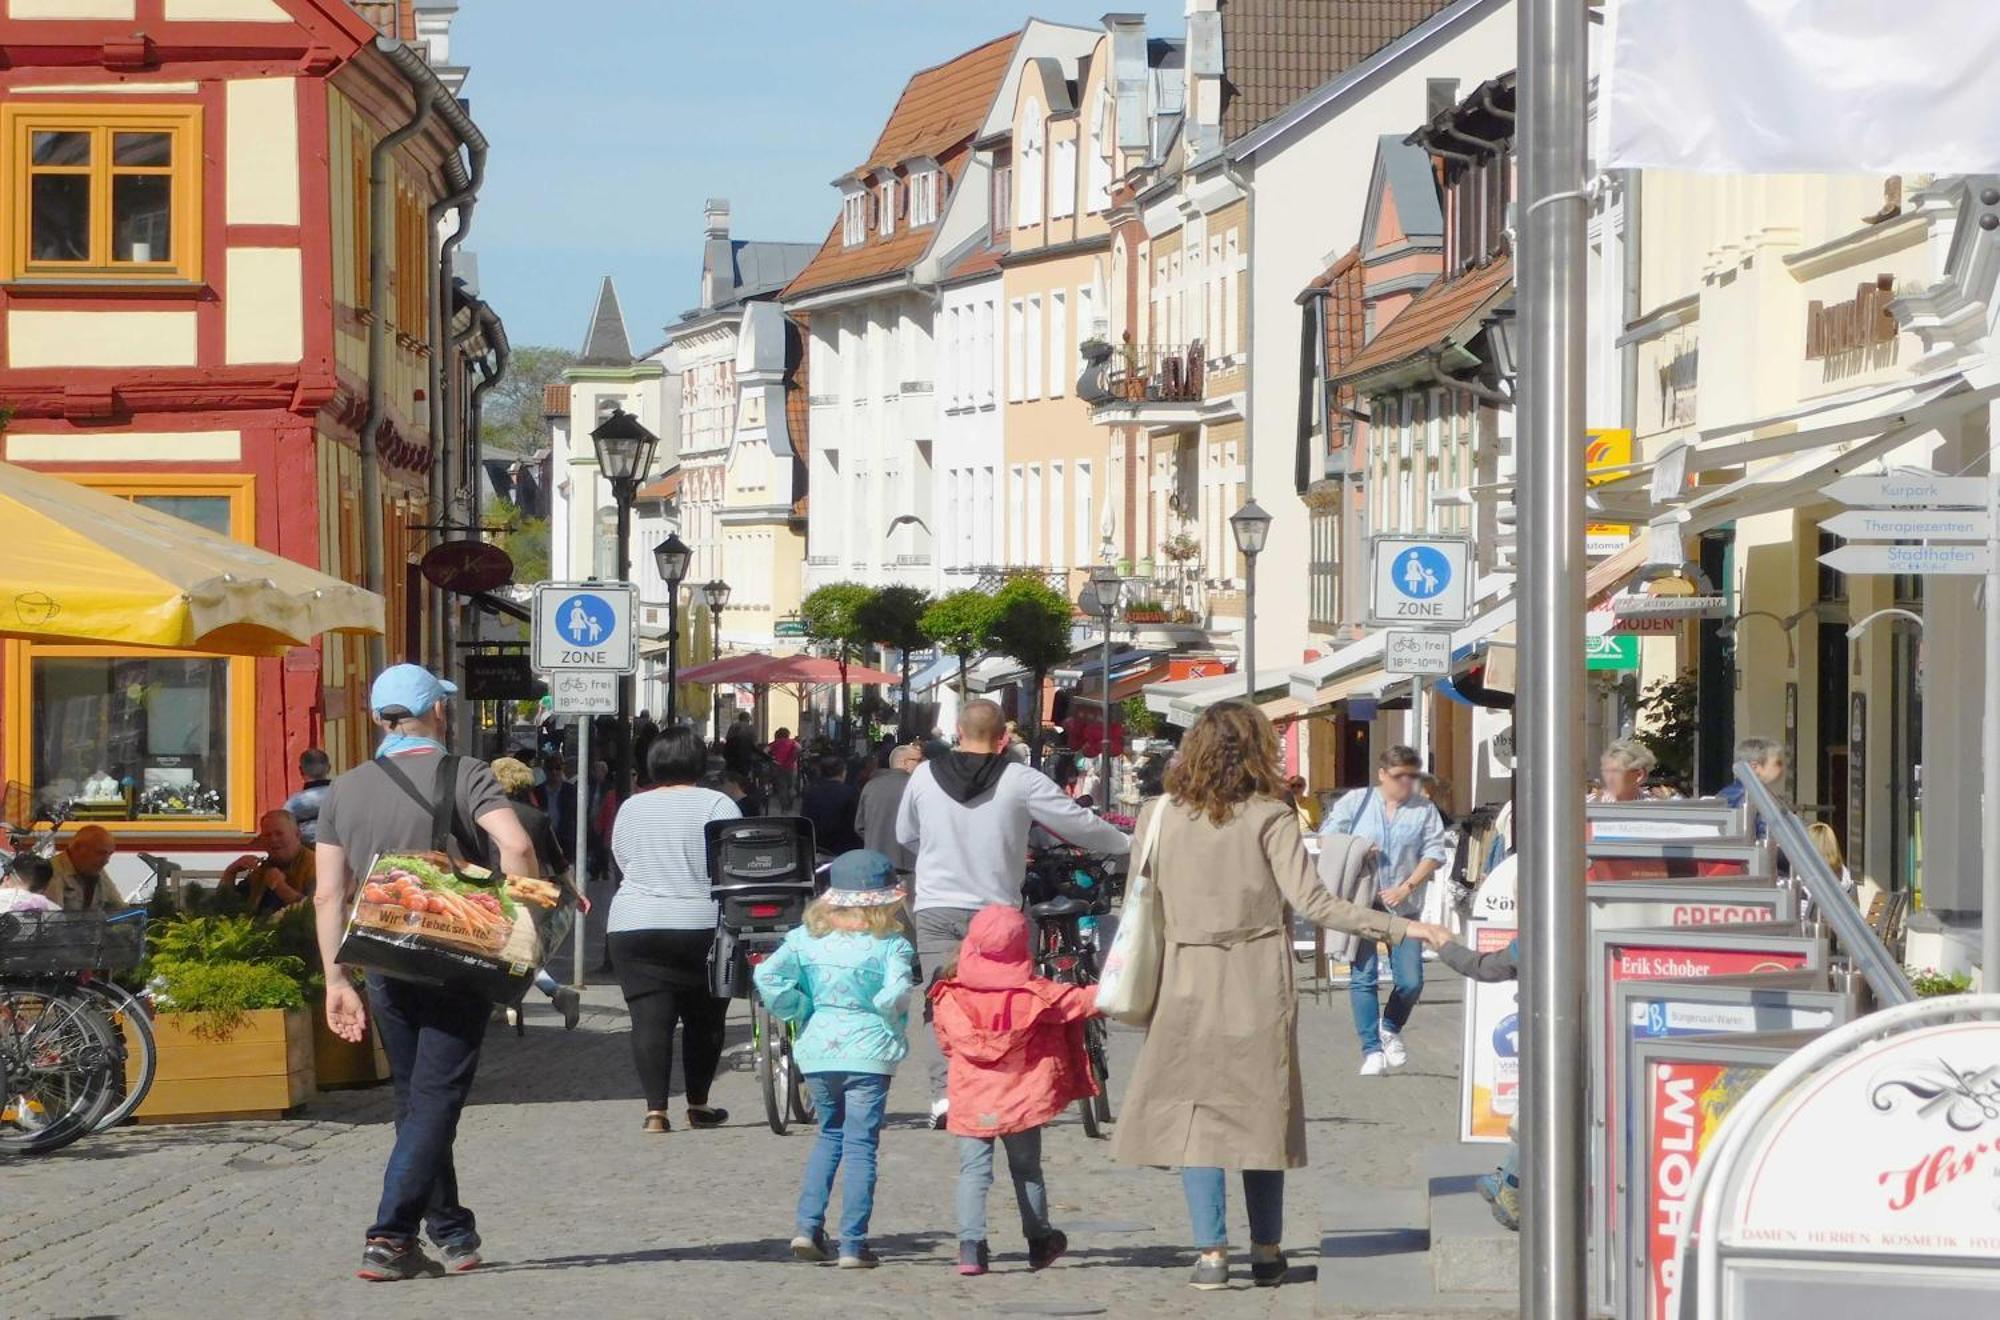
(937, 116)
(1275, 51)
(1404, 172)
(1345, 326)
(605, 343)
(1434, 316)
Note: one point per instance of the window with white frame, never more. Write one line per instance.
(1232, 311)
(1058, 526)
(1017, 503)
(1031, 169)
(985, 351)
(925, 197)
(1031, 353)
(1097, 196)
(854, 219)
(1212, 286)
(1062, 180)
(986, 517)
(1058, 343)
(1086, 322)
(1034, 552)
(1085, 529)
(886, 204)
(1017, 339)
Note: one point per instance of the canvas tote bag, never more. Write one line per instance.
(1130, 980)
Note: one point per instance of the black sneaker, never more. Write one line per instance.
(1045, 1251)
(972, 1259)
(706, 1116)
(568, 1003)
(460, 1257)
(386, 1261)
(859, 1259)
(814, 1248)
(1267, 1273)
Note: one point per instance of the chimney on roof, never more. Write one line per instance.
(1128, 80)
(1205, 56)
(718, 256)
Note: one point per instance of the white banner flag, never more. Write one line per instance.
(1803, 86)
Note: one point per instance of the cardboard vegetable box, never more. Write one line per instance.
(421, 917)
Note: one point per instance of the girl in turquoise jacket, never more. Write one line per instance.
(844, 979)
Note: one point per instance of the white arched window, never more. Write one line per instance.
(1030, 171)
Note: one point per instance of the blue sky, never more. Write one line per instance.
(612, 120)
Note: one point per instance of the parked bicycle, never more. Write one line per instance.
(1069, 892)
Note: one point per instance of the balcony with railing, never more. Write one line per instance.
(1151, 383)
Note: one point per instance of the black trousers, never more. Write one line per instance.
(664, 974)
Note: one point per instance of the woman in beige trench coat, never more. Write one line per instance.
(1217, 1082)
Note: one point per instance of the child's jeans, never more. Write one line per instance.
(850, 1106)
(975, 1178)
(1208, 1206)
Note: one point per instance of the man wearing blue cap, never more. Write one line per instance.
(432, 1035)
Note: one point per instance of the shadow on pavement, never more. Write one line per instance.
(896, 1246)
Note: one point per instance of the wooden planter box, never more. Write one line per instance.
(259, 1071)
(338, 1063)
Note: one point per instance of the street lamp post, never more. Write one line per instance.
(716, 596)
(1252, 527)
(671, 557)
(1099, 599)
(624, 455)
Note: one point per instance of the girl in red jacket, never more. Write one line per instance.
(1014, 1042)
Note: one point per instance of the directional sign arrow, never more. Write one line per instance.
(1952, 560)
(1910, 524)
(1909, 490)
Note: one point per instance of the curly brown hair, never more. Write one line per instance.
(1227, 758)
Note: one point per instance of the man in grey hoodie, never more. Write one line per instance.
(966, 816)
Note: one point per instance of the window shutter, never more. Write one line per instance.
(872, 210)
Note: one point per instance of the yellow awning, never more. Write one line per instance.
(83, 566)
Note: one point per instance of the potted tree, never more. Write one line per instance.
(231, 1021)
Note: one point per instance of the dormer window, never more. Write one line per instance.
(887, 204)
(1030, 178)
(926, 196)
(854, 218)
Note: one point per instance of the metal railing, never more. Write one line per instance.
(1159, 373)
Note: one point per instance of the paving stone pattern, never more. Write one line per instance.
(585, 1215)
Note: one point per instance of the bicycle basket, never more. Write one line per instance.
(46, 942)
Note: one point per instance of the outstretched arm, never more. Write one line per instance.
(1059, 814)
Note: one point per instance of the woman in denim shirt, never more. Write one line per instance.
(1410, 845)
(846, 976)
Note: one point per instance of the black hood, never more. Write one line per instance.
(968, 775)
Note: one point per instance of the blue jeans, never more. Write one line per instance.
(1406, 970)
(850, 1108)
(975, 1179)
(432, 1038)
(1208, 1206)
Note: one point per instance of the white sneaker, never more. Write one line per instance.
(1393, 1051)
(1372, 1065)
(940, 1111)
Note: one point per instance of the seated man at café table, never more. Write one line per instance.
(79, 883)
(283, 875)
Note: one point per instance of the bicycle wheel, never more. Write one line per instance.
(57, 1060)
(766, 1043)
(800, 1098)
(1097, 1045)
(139, 1055)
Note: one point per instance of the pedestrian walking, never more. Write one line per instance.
(662, 925)
(875, 815)
(518, 783)
(432, 1035)
(1408, 836)
(316, 769)
(843, 979)
(1014, 1043)
(1216, 1086)
(1502, 1187)
(966, 815)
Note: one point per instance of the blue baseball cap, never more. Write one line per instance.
(410, 688)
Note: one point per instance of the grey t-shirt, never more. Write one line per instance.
(368, 814)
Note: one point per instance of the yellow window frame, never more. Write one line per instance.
(242, 733)
(18, 124)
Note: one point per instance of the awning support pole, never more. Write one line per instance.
(1989, 749)
(1549, 285)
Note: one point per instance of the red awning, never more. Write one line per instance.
(758, 669)
(727, 669)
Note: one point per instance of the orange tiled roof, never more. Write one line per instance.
(1278, 50)
(663, 487)
(940, 110)
(982, 260)
(1432, 315)
(555, 400)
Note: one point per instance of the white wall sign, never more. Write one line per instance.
(1415, 652)
(1909, 524)
(584, 627)
(584, 693)
(1909, 490)
(1421, 580)
(1946, 560)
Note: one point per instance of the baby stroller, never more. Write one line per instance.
(761, 876)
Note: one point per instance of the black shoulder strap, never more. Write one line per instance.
(443, 809)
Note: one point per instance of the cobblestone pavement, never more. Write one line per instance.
(584, 1214)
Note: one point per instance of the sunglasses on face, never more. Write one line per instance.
(1402, 774)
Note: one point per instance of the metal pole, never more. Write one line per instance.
(1104, 732)
(580, 867)
(673, 654)
(1417, 713)
(1250, 628)
(1549, 292)
(1989, 749)
(622, 492)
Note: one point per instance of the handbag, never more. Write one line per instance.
(1129, 983)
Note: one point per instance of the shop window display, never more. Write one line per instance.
(127, 737)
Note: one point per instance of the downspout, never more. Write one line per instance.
(380, 220)
(1628, 366)
(489, 323)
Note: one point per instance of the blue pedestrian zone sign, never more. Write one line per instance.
(1422, 580)
(584, 627)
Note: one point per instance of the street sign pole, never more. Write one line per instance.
(1417, 722)
(580, 865)
(1549, 283)
(1989, 746)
